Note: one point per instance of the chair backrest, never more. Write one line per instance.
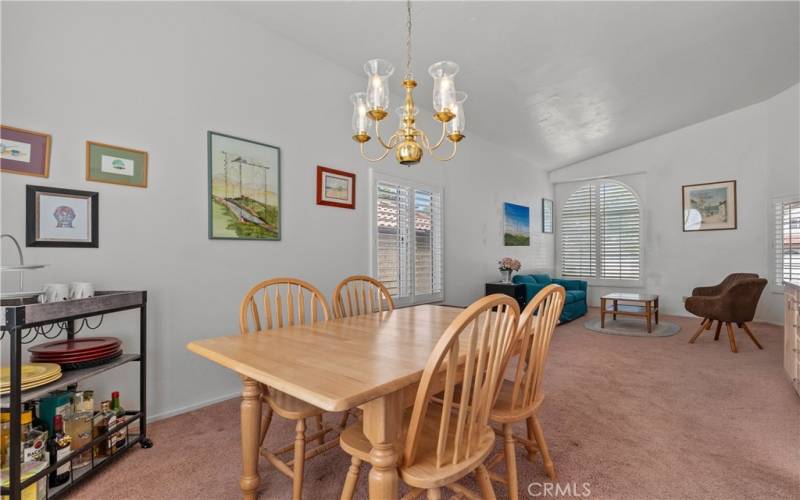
(740, 299)
(360, 294)
(474, 350)
(284, 302)
(733, 277)
(536, 325)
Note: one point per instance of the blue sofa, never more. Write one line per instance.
(575, 304)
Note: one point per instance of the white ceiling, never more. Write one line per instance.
(558, 82)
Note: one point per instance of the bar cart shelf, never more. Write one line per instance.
(24, 319)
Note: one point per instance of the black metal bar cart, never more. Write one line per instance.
(21, 322)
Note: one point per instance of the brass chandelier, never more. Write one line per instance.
(408, 141)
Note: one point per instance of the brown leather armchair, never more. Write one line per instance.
(732, 301)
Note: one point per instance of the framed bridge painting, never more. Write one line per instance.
(244, 189)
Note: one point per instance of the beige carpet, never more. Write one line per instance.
(634, 417)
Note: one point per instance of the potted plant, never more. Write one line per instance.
(507, 265)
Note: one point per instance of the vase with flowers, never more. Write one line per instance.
(507, 265)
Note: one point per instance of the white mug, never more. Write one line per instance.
(54, 292)
(79, 290)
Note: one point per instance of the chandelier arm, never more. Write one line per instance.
(381, 157)
(433, 148)
(452, 155)
(380, 139)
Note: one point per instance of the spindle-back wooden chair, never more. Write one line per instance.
(360, 294)
(521, 398)
(287, 302)
(448, 439)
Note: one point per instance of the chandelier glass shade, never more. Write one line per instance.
(408, 142)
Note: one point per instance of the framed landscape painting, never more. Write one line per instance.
(547, 215)
(244, 197)
(116, 165)
(336, 188)
(61, 217)
(516, 225)
(710, 206)
(24, 152)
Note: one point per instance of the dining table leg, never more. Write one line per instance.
(250, 422)
(382, 425)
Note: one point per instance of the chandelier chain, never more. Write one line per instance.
(408, 76)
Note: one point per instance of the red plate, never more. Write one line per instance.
(75, 358)
(58, 355)
(80, 345)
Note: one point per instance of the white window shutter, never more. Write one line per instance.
(619, 233)
(409, 241)
(787, 241)
(579, 234)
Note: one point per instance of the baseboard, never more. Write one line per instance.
(192, 407)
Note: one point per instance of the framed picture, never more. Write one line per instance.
(547, 215)
(710, 206)
(516, 225)
(244, 189)
(115, 164)
(61, 217)
(24, 152)
(336, 188)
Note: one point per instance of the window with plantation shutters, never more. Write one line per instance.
(408, 240)
(787, 240)
(600, 233)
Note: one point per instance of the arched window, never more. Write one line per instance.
(601, 232)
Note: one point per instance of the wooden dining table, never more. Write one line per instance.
(372, 361)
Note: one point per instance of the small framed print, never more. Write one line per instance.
(24, 152)
(547, 215)
(710, 206)
(61, 217)
(116, 165)
(336, 188)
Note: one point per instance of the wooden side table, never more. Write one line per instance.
(516, 290)
(641, 305)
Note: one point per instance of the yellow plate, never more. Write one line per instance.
(31, 372)
(31, 385)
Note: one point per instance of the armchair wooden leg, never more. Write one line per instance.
(351, 480)
(511, 461)
(485, 483)
(299, 459)
(719, 327)
(731, 337)
(746, 329)
(548, 462)
(699, 330)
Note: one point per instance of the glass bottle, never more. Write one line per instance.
(79, 427)
(104, 419)
(59, 447)
(119, 438)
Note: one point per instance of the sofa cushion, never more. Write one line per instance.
(524, 278)
(574, 296)
(542, 279)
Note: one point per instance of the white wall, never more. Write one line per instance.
(757, 146)
(157, 77)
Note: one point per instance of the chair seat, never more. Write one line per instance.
(501, 412)
(424, 473)
(289, 406)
